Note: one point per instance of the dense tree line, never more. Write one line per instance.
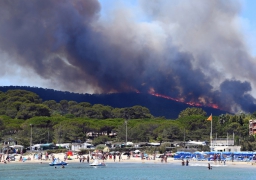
(68, 121)
(21, 104)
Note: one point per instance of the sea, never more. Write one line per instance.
(125, 171)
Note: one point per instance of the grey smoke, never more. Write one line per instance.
(190, 50)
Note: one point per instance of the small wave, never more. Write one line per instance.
(206, 165)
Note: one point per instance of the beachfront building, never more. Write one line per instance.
(79, 146)
(64, 145)
(252, 127)
(41, 147)
(225, 145)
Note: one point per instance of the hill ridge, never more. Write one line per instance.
(158, 106)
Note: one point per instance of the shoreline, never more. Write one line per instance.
(76, 160)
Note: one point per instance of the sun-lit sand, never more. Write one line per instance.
(75, 159)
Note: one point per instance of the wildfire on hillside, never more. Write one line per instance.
(153, 93)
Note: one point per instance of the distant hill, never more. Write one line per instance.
(158, 106)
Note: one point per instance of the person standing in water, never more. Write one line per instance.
(182, 162)
(187, 162)
(209, 166)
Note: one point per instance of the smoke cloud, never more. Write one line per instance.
(193, 51)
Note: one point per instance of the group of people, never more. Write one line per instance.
(101, 155)
(183, 162)
(164, 159)
(83, 158)
(5, 160)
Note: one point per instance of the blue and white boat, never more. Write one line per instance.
(57, 162)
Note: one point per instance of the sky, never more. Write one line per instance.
(248, 15)
(193, 51)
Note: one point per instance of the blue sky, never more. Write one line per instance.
(248, 12)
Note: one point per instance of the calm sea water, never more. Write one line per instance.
(124, 171)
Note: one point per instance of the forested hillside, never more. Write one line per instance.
(70, 121)
(159, 107)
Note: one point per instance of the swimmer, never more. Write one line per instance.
(63, 166)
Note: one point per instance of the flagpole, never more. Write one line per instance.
(210, 119)
(211, 135)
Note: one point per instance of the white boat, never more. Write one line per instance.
(97, 163)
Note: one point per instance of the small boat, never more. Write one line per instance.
(57, 162)
(97, 163)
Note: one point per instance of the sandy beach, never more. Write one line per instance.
(75, 159)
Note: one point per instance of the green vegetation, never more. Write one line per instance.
(68, 121)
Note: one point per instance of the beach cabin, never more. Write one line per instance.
(14, 149)
(41, 147)
(18, 149)
(64, 145)
(78, 146)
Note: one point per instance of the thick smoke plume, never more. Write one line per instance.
(193, 51)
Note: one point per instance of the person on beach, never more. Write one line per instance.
(8, 158)
(232, 156)
(119, 157)
(215, 158)
(219, 158)
(88, 159)
(46, 156)
(114, 158)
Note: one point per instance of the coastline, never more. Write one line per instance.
(124, 159)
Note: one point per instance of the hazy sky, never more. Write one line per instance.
(195, 51)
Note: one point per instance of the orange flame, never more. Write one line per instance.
(153, 93)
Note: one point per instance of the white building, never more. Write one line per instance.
(64, 145)
(78, 146)
(225, 145)
(226, 148)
